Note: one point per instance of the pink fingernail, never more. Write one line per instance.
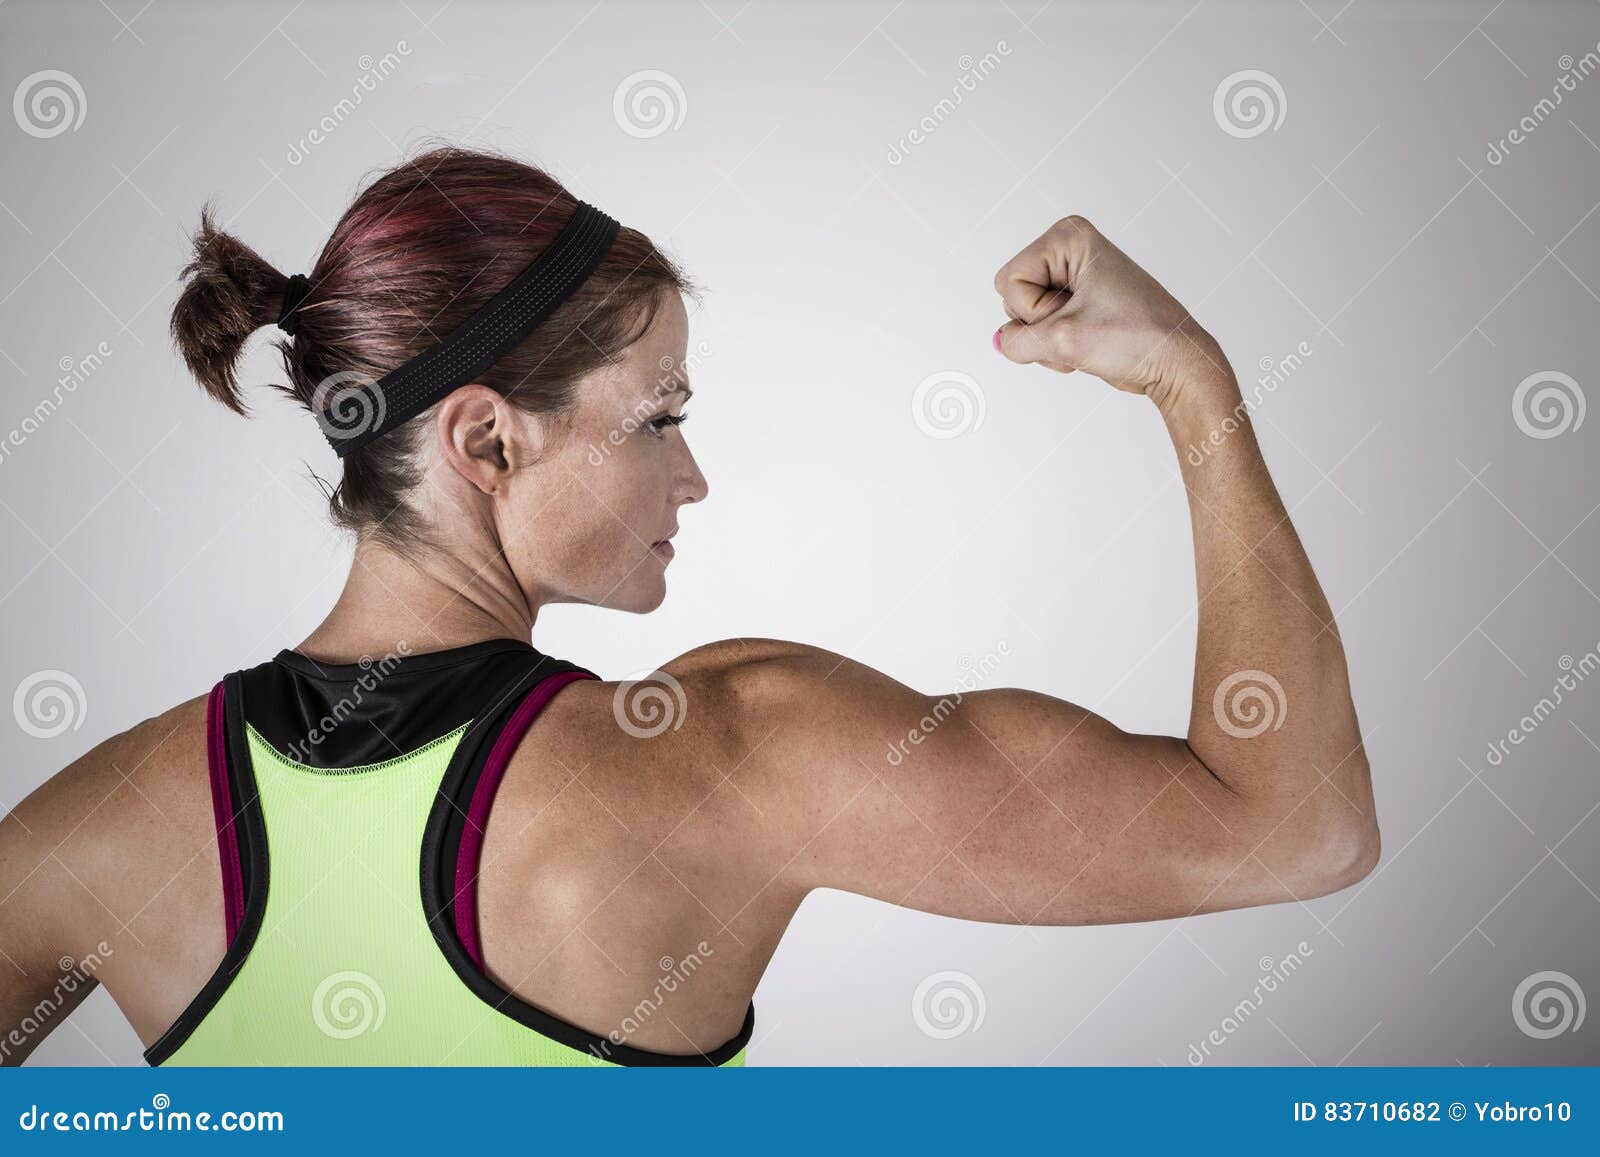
(997, 340)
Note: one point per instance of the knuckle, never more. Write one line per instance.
(1063, 339)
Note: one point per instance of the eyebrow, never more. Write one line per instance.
(681, 388)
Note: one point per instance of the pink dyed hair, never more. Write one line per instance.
(422, 247)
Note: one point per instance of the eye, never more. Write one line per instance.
(659, 426)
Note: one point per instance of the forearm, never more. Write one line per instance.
(1272, 730)
(1272, 714)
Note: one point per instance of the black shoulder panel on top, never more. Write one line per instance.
(351, 714)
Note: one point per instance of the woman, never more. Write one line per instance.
(501, 370)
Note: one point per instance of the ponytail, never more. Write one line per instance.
(229, 292)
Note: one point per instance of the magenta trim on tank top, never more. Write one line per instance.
(471, 851)
(222, 811)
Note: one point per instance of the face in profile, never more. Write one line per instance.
(592, 518)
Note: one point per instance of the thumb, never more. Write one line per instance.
(1038, 343)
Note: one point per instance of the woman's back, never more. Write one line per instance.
(599, 886)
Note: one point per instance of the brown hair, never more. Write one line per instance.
(421, 248)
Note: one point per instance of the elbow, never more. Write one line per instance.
(1349, 856)
(1361, 840)
(1322, 844)
(1343, 851)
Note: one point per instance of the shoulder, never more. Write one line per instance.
(782, 709)
(770, 672)
(156, 759)
(742, 655)
(742, 713)
(757, 690)
(698, 709)
(148, 757)
(741, 737)
(116, 817)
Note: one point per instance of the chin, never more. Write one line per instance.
(640, 599)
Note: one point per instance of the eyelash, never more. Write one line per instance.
(668, 420)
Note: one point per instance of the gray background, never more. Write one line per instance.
(153, 541)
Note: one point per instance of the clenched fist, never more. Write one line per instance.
(1080, 303)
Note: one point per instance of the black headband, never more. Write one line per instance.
(354, 412)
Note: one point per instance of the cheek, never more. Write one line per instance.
(595, 522)
(573, 537)
(629, 483)
(589, 558)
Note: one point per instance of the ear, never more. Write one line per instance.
(482, 438)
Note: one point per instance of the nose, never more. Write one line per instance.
(693, 487)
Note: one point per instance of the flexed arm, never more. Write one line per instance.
(1016, 807)
(1267, 643)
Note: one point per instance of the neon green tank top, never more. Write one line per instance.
(349, 887)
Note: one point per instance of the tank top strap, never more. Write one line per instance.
(242, 850)
(452, 845)
(451, 852)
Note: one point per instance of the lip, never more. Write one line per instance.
(664, 549)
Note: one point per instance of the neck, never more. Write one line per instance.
(397, 604)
